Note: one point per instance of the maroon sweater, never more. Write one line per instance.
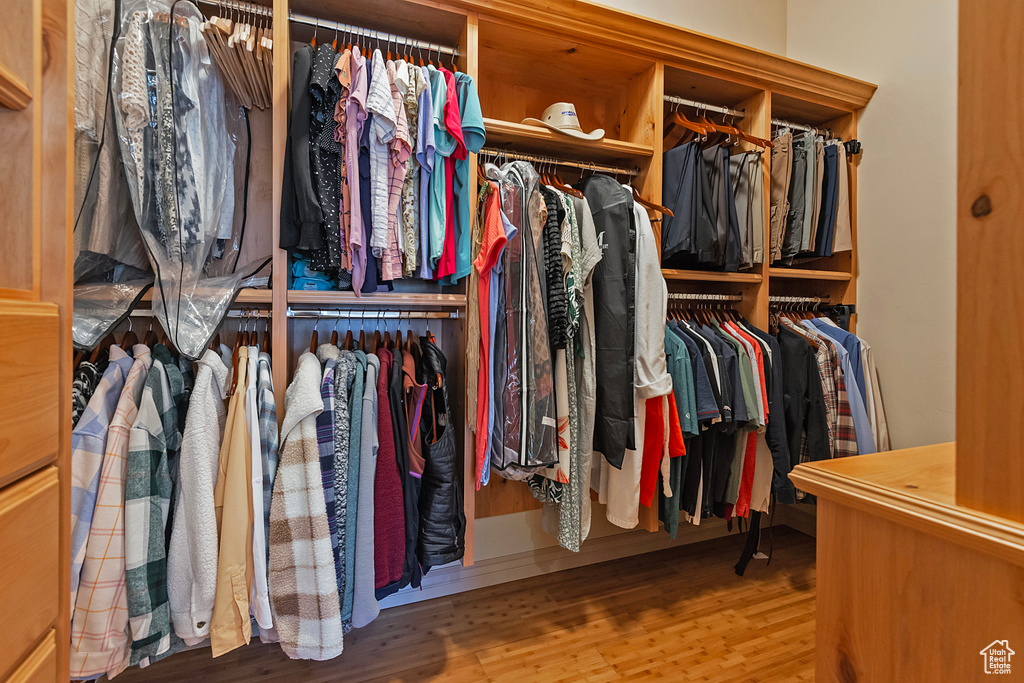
(388, 503)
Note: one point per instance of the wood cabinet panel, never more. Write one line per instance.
(29, 360)
(29, 574)
(41, 665)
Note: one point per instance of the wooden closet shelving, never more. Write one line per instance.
(710, 276)
(808, 274)
(391, 300)
(526, 138)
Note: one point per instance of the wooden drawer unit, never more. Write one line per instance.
(29, 419)
(29, 573)
(41, 665)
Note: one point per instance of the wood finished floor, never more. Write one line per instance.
(680, 614)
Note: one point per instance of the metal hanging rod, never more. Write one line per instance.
(800, 126)
(688, 296)
(232, 313)
(379, 36)
(705, 107)
(243, 7)
(370, 314)
(535, 158)
(798, 300)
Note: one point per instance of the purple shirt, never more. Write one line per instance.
(355, 111)
(425, 157)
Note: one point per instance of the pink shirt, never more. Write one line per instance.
(355, 115)
(398, 166)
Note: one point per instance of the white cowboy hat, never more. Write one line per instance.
(561, 117)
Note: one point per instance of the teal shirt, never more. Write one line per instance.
(444, 145)
(678, 359)
(474, 135)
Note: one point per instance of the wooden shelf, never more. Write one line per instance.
(389, 299)
(710, 276)
(806, 274)
(525, 138)
(245, 296)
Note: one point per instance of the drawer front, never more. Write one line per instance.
(30, 568)
(29, 402)
(41, 665)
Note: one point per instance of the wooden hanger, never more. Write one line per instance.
(556, 182)
(151, 339)
(398, 332)
(129, 339)
(362, 331)
(376, 336)
(650, 205)
(215, 343)
(334, 334)
(105, 343)
(314, 338)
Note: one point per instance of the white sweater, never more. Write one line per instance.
(192, 558)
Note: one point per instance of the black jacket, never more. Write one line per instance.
(442, 519)
(614, 315)
(804, 398)
(775, 434)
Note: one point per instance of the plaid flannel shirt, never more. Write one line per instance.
(88, 443)
(842, 437)
(153, 442)
(267, 411)
(99, 628)
(325, 444)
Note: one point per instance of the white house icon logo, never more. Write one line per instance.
(997, 657)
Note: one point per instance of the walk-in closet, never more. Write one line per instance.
(493, 339)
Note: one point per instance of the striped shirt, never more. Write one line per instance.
(267, 411)
(398, 165)
(325, 444)
(88, 444)
(99, 628)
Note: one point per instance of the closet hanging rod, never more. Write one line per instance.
(370, 314)
(379, 36)
(705, 107)
(801, 126)
(232, 313)
(614, 170)
(689, 296)
(798, 300)
(243, 7)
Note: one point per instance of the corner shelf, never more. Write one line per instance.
(710, 276)
(805, 274)
(397, 300)
(540, 140)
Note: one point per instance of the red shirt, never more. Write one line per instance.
(453, 124)
(492, 242)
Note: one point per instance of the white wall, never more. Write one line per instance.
(906, 192)
(757, 23)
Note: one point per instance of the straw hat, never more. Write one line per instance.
(561, 117)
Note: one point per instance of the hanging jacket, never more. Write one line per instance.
(614, 315)
(192, 558)
(442, 520)
(303, 585)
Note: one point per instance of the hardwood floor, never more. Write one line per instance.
(680, 614)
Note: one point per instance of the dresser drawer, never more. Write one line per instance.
(30, 569)
(41, 665)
